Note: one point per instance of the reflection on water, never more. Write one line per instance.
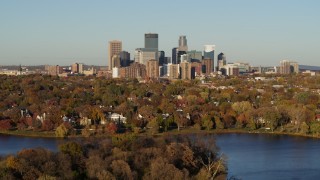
(254, 156)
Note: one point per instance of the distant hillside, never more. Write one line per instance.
(311, 68)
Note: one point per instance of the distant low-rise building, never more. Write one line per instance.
(104, 73)
(89, 72)
(311, 73)
(9, 72)
(230, 70)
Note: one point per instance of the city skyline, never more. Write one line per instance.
(60, 32)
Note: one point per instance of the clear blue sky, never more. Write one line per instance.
(34, 32)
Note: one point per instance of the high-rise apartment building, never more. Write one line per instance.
(183, 46)
(206, 66)
(135, 70)
(288, 67)
(209, 54)
(195, 69)
(294, 67)
(173, 71)
(77, 68)
(152, 68)
(80, 68)
(115, 47)
(74, 68)
(53, 70)
(185, 70)
(285, 67)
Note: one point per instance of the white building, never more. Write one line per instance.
(231, 69)
(143, 55)
(115, 72)
(117, 118)
(243, 67)
(185, 58)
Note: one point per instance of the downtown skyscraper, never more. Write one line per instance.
(151, 41)
(114, 48)
(150, 50)
(209, 54)
(183, 45)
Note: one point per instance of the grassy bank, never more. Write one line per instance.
(237, 131)
(48, 134)
(51, 134)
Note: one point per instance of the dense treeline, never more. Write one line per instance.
(123, 157)
(284, 104)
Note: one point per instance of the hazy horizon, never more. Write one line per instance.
(61, 32)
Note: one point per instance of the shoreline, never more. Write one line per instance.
(174, 132)
(29, 134)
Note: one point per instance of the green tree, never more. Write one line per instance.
(304, 128)
(161, 169)
(71, 148)
(153, 126)
(271, 117)
(62, 131)
(298, 115)
(219, 124)
(207, 123)
(315, 128)
(241, 107)
(251, 125)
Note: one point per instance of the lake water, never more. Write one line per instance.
(13, 144)
(250, 156)
(261, 156)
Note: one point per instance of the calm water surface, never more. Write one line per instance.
(12, 144)
(254, 156)
(250, 156)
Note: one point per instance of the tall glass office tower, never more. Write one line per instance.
(151, 41)
(209, 54)
(222, 60)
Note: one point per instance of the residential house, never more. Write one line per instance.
(85, 121)
(117, 118)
